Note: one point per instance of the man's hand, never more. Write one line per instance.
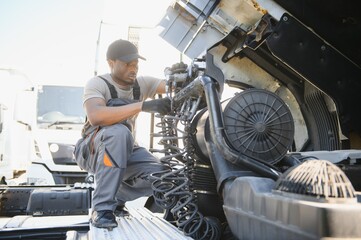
(162, 106)
(179, 68)
(177, 73)
(176, 68)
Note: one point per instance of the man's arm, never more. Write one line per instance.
(101, 115)
(161, 87)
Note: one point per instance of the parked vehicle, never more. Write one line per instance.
(14, 138)
(59, 120)
(41, 124)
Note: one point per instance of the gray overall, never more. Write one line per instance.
(127, 178)
(121, 168)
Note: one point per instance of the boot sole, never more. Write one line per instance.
(110, 226)
(122, 214)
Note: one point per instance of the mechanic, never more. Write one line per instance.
(108, 149)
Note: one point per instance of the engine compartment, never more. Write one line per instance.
(229, 158)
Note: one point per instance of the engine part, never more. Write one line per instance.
(259, 124)
(324, 121)
(254, 212)
(319, 179)
(174, 190)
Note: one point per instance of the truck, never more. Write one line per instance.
(40, 126)
(280, 159)
(12, 81)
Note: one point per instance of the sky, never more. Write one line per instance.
(56, 40)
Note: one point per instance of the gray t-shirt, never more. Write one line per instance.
(97, 88)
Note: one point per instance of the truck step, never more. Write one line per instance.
(141, 224)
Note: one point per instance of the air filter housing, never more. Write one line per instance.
(259, 124)
(319, 179)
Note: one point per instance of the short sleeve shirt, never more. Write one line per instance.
(97, 88)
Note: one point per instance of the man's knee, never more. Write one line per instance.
(157, 168)
(118, 132)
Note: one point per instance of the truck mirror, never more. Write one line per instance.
(25, 108)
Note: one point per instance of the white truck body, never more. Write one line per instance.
(14, 137)
(41, 125)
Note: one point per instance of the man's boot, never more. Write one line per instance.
(103, 219)
(121, 211)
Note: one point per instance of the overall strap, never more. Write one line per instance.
(113, 92)
(136, 91)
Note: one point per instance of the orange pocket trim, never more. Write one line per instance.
(106, 160)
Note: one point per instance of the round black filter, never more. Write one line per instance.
(259, 124)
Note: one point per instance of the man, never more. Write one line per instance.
(108, 150)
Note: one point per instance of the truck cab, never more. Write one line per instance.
(39, 126)
(55, 124)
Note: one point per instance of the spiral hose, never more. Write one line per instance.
(172, 189)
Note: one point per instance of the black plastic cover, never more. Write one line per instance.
(55, 202)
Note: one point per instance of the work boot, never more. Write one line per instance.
(121, 211)
(103, 219)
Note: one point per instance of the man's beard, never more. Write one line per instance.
(129, 81)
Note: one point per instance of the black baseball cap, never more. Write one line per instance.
(123, 50)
